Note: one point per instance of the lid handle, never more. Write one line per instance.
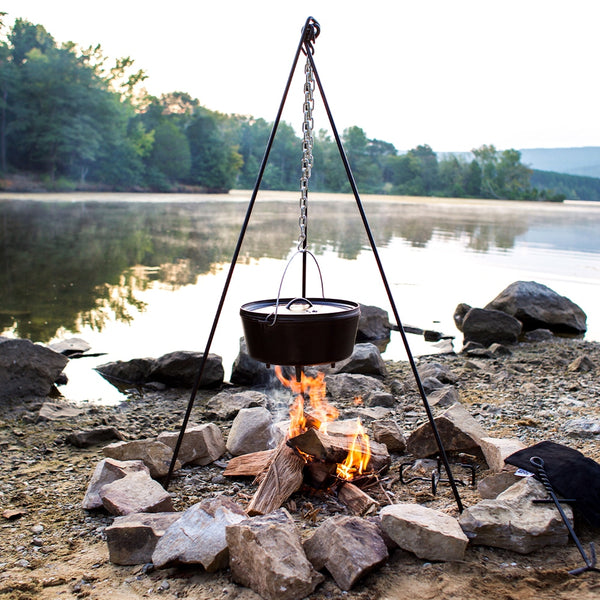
(299, 304)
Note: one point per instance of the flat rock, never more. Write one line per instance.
(493, 485)
(514, 522)
(201, 444)
(426, 532)
(348, 547)
(225, 405)
(28, 369)
(107, 471)
(582, 364)
(92, 437)
(251, 431)
(198, 536)
(132, 538)
(55, 411)
(70, 347)
(154, 454)
(582, 427)
(495, 450)
(458, 430)
(443, 397)
(266, 555)
(135, 493)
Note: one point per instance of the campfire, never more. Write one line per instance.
(316, 451)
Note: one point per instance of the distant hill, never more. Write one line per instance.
(573, 161)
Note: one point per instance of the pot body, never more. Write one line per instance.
(323, 334)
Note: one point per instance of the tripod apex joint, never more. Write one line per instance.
(311, 31)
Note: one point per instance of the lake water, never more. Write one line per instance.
(141, 275)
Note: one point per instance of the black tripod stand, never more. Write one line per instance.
(310, 32)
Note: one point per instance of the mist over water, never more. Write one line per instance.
(142, 275)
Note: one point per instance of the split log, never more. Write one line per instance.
(332, 448)
(319, 474)
(283, 477)
(355, 499)
(248, 465)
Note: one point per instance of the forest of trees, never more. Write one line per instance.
(74, 121)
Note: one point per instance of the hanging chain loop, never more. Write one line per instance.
(307, 148)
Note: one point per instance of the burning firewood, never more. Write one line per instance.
(355, 499)
(283, 477)
(334, 449)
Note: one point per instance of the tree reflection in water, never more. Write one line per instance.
(65, 265)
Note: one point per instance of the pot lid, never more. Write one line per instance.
(300, 306)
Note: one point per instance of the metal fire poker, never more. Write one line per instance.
(310, 32)
(590, 563)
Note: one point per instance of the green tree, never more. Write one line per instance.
(170, 155)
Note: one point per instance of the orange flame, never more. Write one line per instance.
(358, 456)
(321, 412)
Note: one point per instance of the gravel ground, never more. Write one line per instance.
(51, 548)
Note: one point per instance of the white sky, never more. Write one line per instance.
(454, 74)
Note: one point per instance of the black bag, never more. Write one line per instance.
(571, 474)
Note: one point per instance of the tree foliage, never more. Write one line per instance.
(66, 113)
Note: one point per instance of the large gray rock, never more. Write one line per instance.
(486, 326)
(27, 369)
(134, 371)
(348, 547)
(373, 324)
(514, 522)
(249, 371)
(266, 555)
(201, 444)
(198, 536)
(537, 306)
(365, 359)
(458, 430)
(154, 454)
(251, 431)
(442, 373)
(180, 369)
(225, 405)
(176, 369)
(347, 386)
(135, 493)
(107, 471)
(132, 538)
(426, 532)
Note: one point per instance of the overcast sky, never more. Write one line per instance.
(451, 74)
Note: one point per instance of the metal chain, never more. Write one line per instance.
(307, 148)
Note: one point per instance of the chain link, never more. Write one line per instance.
(307, 148)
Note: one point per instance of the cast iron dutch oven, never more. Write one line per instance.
(300, 331)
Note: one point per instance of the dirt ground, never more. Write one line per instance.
(50, 548)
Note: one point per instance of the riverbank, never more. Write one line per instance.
(51, 548)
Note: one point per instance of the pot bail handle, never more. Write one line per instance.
(272, 317)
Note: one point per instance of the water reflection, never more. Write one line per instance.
(69, 265)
